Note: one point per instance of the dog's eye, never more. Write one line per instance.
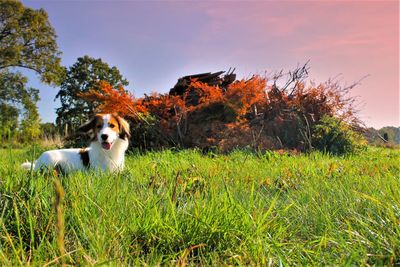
(112, 126)
(98, 126)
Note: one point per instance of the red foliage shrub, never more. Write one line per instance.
(243, 113)
(247, 96)
(114, 100)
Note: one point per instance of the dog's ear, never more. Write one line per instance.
(123, 128)
(88, 126)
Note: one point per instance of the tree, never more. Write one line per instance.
(16, 99)
(27, 40)
(334, 136)
(84, 75)
(30, 124)
(8, 121)
(48, 129)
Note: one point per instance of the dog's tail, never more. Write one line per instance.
(28, 165)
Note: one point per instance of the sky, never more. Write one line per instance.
(153, 43)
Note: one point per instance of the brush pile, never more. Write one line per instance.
(215, 110)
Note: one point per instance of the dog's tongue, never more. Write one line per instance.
(106, 145)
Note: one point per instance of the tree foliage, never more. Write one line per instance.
(17, 100)
(30, 123)
(84, 75)
(48, 130)
(336, 137)
(8, 121)
(27, 40)
(387, 136)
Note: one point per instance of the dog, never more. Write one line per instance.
(109, 141)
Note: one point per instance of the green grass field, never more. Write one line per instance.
(185, 208)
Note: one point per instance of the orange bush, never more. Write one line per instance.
(247, 96)
(114, 100)
(204, 93)
(207, 115)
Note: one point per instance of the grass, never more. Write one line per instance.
(185, 208)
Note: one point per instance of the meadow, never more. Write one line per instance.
(188, 208)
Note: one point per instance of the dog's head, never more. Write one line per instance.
(106, 129)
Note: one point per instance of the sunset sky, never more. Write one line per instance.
(153, 43)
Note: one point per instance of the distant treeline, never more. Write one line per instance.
(385, 135)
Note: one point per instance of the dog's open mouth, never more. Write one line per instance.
(106, 145)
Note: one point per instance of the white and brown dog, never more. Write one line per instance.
(110, 135)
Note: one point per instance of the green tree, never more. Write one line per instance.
(16, 99)
(48, 129)
(334, 136)
(30, 124)
(27, 40)
(8, 121)
(81, 77)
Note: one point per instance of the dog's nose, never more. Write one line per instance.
(104, 137)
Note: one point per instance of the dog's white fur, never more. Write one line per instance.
(70, 160)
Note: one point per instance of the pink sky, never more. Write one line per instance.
(176, 38)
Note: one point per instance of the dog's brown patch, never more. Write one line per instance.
(123, 126)
(85, 157)
(99, 123)
(114, 124)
